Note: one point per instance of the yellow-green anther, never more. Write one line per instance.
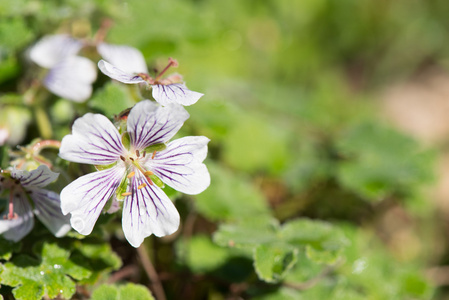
(157, 181)
(155, 147)
(125, 140)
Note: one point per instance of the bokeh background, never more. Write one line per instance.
(335, 111)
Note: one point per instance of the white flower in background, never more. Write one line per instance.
(127, 65)
(17, 220)
(132, 167)
(70, 76)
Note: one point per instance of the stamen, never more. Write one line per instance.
(131, 175)
(126, 194)
(137, 153)
(122, 158)
(11, 206)
(171, 63)
(154, 154)
(132, 159)
(144, 153)
(141, 186)
(148, 173)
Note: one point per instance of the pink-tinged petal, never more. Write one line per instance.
(94, 140)
(40, 177)
(180, 165)
(47, 207)
(175, 93)
(72, 78)
(15, 229)
(118, 74)
(128, 59)
(147, 211)
(149, 123)
(51, 49)
(85, 197)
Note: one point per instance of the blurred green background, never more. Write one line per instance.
(328, 110)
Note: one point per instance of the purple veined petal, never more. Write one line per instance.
(47, 208)
(128, 59)
(72, 78)
(175, 93)
(117, 74)
(51, 49)
(180, 165)
(85, 197)
(40, 177)
(147, 211)
(94, 140)
(149, 123)
(14, 230)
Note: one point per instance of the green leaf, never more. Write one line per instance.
(276, 248)
(129, 291)
(7, 248)
(379, 162)
(33, 278)
(96, 257)
(254, 145)
(201, 254)
(272, 262)
(111, 99)
(235, 197)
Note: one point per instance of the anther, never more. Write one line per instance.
(141, 186)
(126, 194)
(148, 173)
(122, 158)
(137, 153)
(144, 153)
(131, 175)
(132, 159)
(154, 154)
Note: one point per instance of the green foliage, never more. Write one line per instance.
(45, 275)
(111, 99)
(378, 162)
(234, 196)
(129, 291)
(275, 248)
(7, 248)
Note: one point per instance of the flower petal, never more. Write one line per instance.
(47, 207)
(51, 49)
(72, 78)
(40, 177)
(85, 197)
(147, 211)
(149, 123)
(94, 140)
(180, 165)
(118, 74)
(16, 229)
(175, 93)
(125, 58)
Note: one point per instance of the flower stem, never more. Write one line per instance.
(37, 147)
(151, 272)
(43, 122)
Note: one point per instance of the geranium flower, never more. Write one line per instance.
(17, 220)
(70, 76)
(128, 66)
(132, 168)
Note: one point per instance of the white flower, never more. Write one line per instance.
(17, 220)
(127, 65)
(131, 167)
(70, 76)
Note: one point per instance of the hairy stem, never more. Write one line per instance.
(151, 272)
